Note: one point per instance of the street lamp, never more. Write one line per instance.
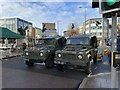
(85, 18)
(58, 27)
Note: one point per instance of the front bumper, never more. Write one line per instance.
(70, 62)
(34, 60)
(34, 56)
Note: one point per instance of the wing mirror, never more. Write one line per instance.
(108, 44)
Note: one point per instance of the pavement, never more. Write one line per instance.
(102, 80)
(100, 77)
(15, 74)
(9, 54)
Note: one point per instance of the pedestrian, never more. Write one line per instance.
(12, 48)
(24, 46)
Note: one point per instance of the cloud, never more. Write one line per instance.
(45, 0)
(38, 12)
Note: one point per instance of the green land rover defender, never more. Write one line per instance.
(44, 51)
(79, 51)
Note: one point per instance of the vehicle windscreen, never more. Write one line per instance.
(50, 41)
(78, 41)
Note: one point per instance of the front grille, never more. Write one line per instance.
(33, 54)
(69, 56)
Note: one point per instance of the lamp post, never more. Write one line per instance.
(85, 18)
(58, 27)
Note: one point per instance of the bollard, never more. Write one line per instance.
(99, 57)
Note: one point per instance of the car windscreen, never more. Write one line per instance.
(49, 41)
(78, 41)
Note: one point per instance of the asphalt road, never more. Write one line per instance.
(16, 74)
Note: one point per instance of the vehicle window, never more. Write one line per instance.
(80, 41)
(45, 41)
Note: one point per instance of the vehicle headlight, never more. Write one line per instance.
(48, 50)
(59, 55)
(27, 53)
(80, 56)
(41, 54)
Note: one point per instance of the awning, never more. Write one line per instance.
(6, 33)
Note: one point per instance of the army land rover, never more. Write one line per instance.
(44, 51)
(79, 51)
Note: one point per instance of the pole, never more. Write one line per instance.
(103, 29)
(85, 21)
(108, 30)
(58, 27)
(28, 37)
(114, 36)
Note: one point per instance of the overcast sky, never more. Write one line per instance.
(40, 11)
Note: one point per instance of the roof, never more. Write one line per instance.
(52, 37)
(17, 19)
(83, 35)
(6, 33)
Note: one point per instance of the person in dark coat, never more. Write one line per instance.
(24, 46)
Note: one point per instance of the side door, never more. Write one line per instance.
(94, 45)
(60, 43)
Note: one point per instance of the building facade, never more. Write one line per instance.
(50, 29)
(118, 27)
(95, 27)
(81, 30)
(38, 33)
(16, 25)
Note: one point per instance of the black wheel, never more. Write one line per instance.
(88, 68)
(95, 59)
(49, 62)
(59, 67)
(29, 63)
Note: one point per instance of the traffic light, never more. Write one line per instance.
(97, 23)
(72, 26)
(116, 59)
(21, 31)
(107, 6)
(95, 3)
(44, 28)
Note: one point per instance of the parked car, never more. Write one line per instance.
(44, 51)
(79, 51)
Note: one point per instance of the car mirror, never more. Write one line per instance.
(108, 44)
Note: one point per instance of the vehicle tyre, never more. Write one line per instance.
(29, 63)
(59, 67)
(88, 68)
(95, 59)
(49, 62)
